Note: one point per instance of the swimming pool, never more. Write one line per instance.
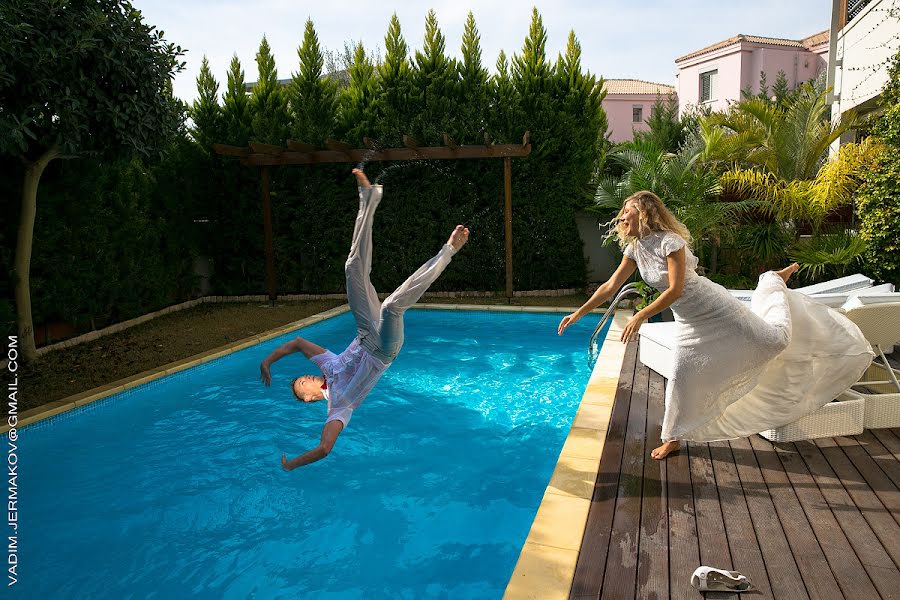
(174, 488)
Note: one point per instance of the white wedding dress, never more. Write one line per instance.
(740, 370)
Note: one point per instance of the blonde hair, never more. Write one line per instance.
(652, 216)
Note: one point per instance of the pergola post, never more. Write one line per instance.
(507, 185)
(265, 173)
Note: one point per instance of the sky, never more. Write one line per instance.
(619, 40)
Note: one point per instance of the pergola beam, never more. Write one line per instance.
(299, 153)
(258, 159)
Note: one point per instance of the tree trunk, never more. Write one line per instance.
(22, 264)
(714, 258)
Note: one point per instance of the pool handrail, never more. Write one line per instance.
(627, 289)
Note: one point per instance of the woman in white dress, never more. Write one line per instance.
(738, 370)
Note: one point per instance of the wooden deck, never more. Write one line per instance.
(812, 519)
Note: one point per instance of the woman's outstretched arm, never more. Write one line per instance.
(603, 293)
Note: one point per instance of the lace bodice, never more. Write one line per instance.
(650, 252)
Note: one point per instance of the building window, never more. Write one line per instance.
(708, 86)
(637, 114)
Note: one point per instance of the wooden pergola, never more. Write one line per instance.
(266, 156)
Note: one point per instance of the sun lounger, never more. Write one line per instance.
(833, 292)
(879, 386)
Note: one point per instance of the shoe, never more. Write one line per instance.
(711, 579)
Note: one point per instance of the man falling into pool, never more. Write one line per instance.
(348, 377)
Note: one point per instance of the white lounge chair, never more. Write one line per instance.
(833, 292)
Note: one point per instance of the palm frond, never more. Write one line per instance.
(833, 253)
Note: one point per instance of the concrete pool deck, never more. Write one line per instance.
(546, 564)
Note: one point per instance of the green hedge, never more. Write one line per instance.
(114, 240)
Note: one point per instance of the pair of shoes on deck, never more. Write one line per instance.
(711, 579)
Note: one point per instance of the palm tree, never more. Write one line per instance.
(774, 152)
(778, 153)
(688, 187)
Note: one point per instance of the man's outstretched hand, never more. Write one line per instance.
(361, 178)
(265, 375)
(286, 464)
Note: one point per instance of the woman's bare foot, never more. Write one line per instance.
(666, 449)
(458, 238)
(361, 178)
(786, 272)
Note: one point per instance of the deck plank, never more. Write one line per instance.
(882, 457)
(816, 519)
(883, 524)
(880, 483)
(653, 553)
(684, 551)
(591, 565)
(845, 564)
(746, 556)
(621, 564)
(781, 566)
(889, 440)
(814, 568)
(882, 569)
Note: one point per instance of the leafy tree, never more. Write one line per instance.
(313, 98)
(78, 79)
(268, 101)
(878, 201)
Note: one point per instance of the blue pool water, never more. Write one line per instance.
(175, 489)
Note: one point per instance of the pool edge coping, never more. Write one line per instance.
(545, 568)
(51, 409)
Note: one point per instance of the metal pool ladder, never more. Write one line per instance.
(593, 349)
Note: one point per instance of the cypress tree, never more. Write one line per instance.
(505, 116)
(763, 86)
(313, 98)
(780, 89)
(393, 88)
(236, 110)
(533, 78)
(434, 88)
(582, 119)
(357, 100)
(268, 101)
(206, 111)
(473, 86)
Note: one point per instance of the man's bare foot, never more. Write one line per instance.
(361, 178)
(459, 237)
(786, 272)
(666, 449)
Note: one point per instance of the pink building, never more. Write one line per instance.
(715, 75)
(628, 104)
